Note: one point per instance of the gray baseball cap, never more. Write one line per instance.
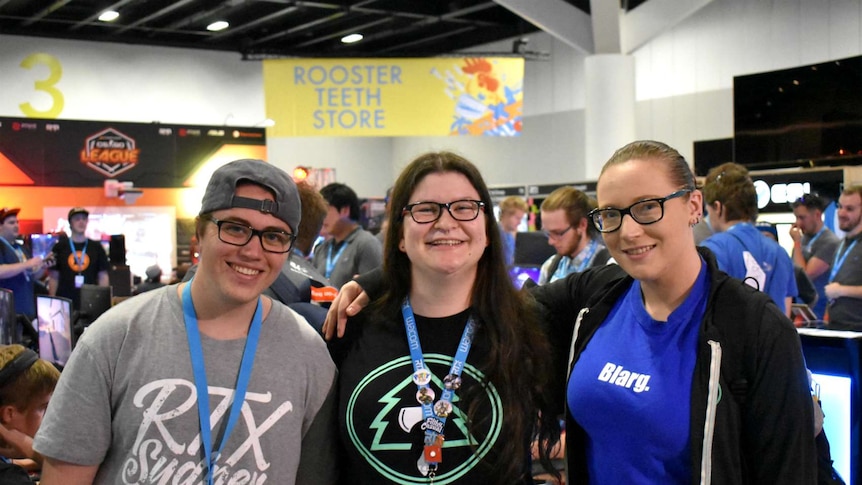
(220, 193)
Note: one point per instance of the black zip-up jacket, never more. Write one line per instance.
(751, 407)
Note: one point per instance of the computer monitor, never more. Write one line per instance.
(95, 300)
(8, 319)
(532, 248)
(54, 316)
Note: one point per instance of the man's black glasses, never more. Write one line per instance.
(237, 234)
(428, 212)
(648, 211)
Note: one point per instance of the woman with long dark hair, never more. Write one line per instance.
(444, 378)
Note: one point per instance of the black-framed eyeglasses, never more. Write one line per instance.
(428, 212)
(557, 234)
(237, 234)
(644, 212)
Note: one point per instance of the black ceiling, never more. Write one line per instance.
(264, 28)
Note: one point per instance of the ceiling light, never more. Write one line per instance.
(349, 39)
(217, 25)
(109, 15)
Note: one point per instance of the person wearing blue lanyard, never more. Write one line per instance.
(19, 270)
(814, 245)
(207, 381)
(444, 379)
(349, 249)
(844, 291)
(679, 374)
(564, 221)
(739, 247)
(80, 260)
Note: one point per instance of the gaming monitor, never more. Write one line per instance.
(54, 315)
(8, 321)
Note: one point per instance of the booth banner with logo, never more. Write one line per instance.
(394, 97)
(75, 153)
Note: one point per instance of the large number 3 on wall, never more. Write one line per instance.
(55, 72)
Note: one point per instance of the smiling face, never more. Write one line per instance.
(850, 213)
(235, 275)
(446, 246)
(651, 253)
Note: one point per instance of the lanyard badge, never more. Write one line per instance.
(434, 414)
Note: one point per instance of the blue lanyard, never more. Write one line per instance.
(563, 268)
(435, 415)
(21, 257)
(811, 242)
(79, 262)
(838, 262)
(330, 261)
(588, 256)
(200, 375)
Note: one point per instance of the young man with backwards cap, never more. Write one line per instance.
(79, 260)
(126, 409)
(19, 270)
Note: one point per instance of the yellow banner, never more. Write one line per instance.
(394, 97)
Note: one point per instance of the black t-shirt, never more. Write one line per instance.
(380, 418)
(92, 262)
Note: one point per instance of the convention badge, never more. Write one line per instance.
(79, 280)
(422, 377)
(452, 382)
(443, 408)
(425, 395)
(434, 453)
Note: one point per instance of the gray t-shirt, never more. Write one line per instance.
(361, 253)
(127, 401)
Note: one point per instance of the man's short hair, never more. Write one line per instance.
(340, 196)
(811, 202)
(575, 203)
(513, 203)
(853, 189)
(26, 378)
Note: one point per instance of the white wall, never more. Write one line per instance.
(684, 80)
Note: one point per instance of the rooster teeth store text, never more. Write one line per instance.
(348, 98)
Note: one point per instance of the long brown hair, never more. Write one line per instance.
(517, 361)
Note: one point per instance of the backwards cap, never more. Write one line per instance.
(220, 193)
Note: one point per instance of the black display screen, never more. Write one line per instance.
(806, 113)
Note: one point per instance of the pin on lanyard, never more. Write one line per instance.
(838, 262)
(200, 376)
(330, 261)
(20, 254)
(79, 263)
(434, 415)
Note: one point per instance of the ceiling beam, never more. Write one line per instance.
(556, 17)
(652, 18)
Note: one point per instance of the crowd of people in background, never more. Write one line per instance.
(451, 373)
